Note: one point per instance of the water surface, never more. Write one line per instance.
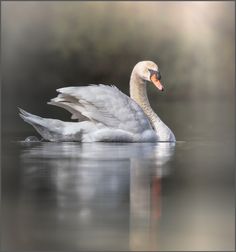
(114, 197)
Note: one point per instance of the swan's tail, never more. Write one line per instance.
(49, 129)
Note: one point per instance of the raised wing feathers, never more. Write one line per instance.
(103, 104)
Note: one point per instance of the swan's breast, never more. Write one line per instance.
(149, 135)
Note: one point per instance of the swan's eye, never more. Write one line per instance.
(152, 72)
(157, 73)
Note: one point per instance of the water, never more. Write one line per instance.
(116, 197)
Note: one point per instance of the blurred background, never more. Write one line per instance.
(99, 196)
(47, 45)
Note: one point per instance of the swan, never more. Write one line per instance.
(105, 114)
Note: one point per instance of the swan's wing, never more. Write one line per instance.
(103, 104)
(69, 103)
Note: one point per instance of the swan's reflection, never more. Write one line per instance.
(145, 196)
(106, 188)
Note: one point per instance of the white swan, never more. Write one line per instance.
(105, 114)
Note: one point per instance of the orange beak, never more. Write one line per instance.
(156, 82)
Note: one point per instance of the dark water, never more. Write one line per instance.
(114, 197)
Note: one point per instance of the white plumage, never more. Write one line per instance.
(104, 113)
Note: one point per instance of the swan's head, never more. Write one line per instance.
(148, 70)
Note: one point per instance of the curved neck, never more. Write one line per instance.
(138, 93)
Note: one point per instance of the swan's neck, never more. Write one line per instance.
(138, 92)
